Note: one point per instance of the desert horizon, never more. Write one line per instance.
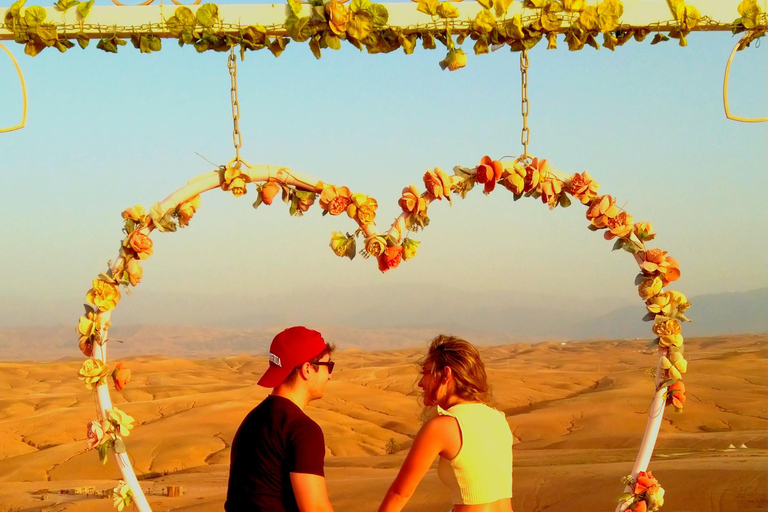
(577, 411)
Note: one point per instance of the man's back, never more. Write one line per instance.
(275, 440)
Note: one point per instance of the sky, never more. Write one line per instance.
(105, 132)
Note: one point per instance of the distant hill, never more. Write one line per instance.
(489, 318)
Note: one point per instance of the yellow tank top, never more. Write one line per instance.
(482, 470)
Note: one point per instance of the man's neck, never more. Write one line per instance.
(296, 395)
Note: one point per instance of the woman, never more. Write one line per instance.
(472, 439)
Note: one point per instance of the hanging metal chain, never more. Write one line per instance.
(236, 137)
(526, 133)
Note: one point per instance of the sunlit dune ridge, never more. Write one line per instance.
(577, 412)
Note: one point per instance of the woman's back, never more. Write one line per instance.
(481, 471)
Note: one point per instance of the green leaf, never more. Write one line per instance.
(609, 41)
(334, 43)
(120, 446)
(428, 41)
(625, 497)
(84, 9)
(408, 43)
(447, 10)
(649, 317)
(678, 9)
(359, 6)
(82, 40)
(65, 5)
(487, 4)
(428, 7)
(618, 244)
(207, 15)
(380, 15)
(658, 38)
(484, 21)
(106, 44)
(360, 26)
(34, 15)
(163, 220)
(185, 16)
(481, 46)
(295, 7)
(514, 27)
(314, 45)
(501, 7)
(278, 45)
(102, 450)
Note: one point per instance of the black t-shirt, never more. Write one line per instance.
(274, 440)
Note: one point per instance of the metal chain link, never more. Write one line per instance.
(525, 137)
(236, 137)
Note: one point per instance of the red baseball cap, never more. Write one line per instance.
(289, 349)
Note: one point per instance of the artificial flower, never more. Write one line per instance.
(375, 245)
(644, 231)
(656, 260)
(438, 184)
(488, 173)
(583, 188)
(187, 209)
(362, 209)
(678, 300)
(675, 365)
(269, 191)
(514, 180)
(140, 243)
(600, 210)
(95, 433)
(89, 328)
(136, 213)
(342, 245)
(390, 258)
(649, 287)
(668, 332)
(658, 304)
(412, 203)
(93, 372)
(338, 17)
(534, 173)
(676, 394)
(619, 226)
(121, 376)
(103, 295)
(232, 180)
(121, 421)
(133, 271)
(638, 506)
(655, 497)
(455, 59)
(334, 199)
(410, 248)
(122, 496)
(551, 188)
(644, 481)
(301, 200)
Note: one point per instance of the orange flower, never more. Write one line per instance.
(550, 191)
(140, 243)
(411, 201)
(600, 210)
(134, 271)
(649, 287)
(644, 231)
(103, 295)
(644, 482)
(95, 433)
(375, 245)
(233, 180)
(268, 192)
(583, 188)
(438, 183)
(676, 394)
(335, 199)
(488, 172)
(620, 225)
(656, 260)
(668, 332)
(390, 258)
(187, 209)
(135, 214)
(121, 376)
(639, 506)
(514, 180)
(673, 271)
(338, 17)
(534, 172)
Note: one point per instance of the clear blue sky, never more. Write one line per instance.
(109, 131)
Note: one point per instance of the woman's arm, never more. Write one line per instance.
(434, 437)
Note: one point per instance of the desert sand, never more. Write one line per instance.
(577, 412)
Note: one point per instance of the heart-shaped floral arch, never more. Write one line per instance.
(524, 177)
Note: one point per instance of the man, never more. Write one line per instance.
(278, 452)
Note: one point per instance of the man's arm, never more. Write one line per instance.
(311, 492)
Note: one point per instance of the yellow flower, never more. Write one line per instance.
(600, 210)
(438, 183)
(134, 271)
(135, 214)
(93, 372)
(89, 328)
(675, 365)
(233, 180)
(583, 188)
(338, 16)
(375, 245)
(335, 200)
(619, 226)
(103, 295)
(139, 243)
(659, 304)
(362, 208)
(343, 245)
(655, 497)
(456, 59)
(650, 287)
(122, 422)
(410, 248)
(679, 300)
(644, 231)
(668, 332)
(514, 180)
(187, 209)
(122, 495)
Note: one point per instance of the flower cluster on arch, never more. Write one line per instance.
(645, 495)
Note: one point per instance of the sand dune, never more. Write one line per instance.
(577, 412)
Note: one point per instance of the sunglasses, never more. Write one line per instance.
(329, 364)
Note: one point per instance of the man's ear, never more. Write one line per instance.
(447, 374)
(304, 371)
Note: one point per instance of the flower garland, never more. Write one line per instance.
(646, 494)
(324, 24)
(525, 177)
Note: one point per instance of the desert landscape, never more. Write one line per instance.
(577, 411)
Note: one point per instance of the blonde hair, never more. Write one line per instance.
(464, 361)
